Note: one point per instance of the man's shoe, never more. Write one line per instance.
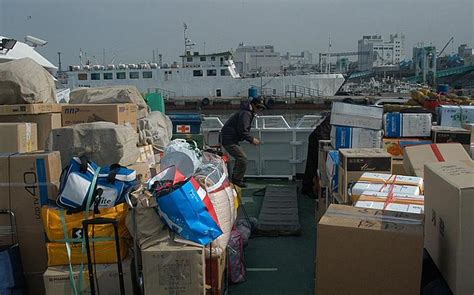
(239, 183)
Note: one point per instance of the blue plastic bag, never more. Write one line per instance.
(185, 212)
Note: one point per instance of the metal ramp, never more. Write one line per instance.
(279, 213)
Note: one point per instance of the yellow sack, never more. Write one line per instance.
(54, 229)
(101, 252)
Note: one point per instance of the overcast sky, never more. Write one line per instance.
(130, 30)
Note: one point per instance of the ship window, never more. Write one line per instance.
(108, 76)
(82, 77)
(197, 73)
(212, 72)
(147, 75)
(121, 75)
(203, 58)
(218, 93)
(213, 58)
(95, 76)
(189, 59)
(224, 72)
(134, 75)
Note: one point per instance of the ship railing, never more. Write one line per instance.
(302, 91)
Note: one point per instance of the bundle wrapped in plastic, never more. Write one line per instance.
(181, 154)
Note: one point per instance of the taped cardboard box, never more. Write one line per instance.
(362, 251)
(416, 157)
(396, 146)
(344, 114)
(449, 234)
(355, 162)
(398, 202)
(407, 125)
(57, 282)
(18, 137)
(352, 137)
(120, 114)
(455, 116)
(45, 122)
(173, 268)
(26, 182)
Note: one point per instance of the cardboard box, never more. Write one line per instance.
(142, 169)
(365, 251)
(30, 109)
(57, 282)
(354, 162)
(441, 134)
(18, 137)
(45, 122)
(470, 127)
(343, 137)
(173, 268)
(455, 116)
(324, 148)
(392, 202)
(449, 234)
(416, 157)
(398, 168)
(352, 115)
(26, 182)
(360, 188)
(146, 155)
(86, 113)
(398, 125)
(332, 169)
(396, 146)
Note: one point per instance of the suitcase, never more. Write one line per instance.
(11, 271)
(101, 221)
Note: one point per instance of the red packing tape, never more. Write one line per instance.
(437, 152)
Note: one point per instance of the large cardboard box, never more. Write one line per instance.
(354, 162)
(86, 113)
(416, 157)
(45, 121)
(407, 125)
(18, 138)
(173, 268)
(57, 282)
(396, 146)
(366, 251)
(449, 231)
(26, 182)
(344, 114)
(343, 137)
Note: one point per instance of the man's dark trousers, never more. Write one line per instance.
(240, 165)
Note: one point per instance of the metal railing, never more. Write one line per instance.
(302, 91)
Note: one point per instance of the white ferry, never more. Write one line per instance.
(201, 76)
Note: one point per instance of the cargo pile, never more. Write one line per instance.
(98, 198)
(394, 184)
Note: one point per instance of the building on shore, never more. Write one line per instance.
(297, 61)
(380, 53)
(260, 59)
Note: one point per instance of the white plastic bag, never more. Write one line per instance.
(184, 156)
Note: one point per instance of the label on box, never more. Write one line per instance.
(352, 137)
(369, 164)
(407, 125)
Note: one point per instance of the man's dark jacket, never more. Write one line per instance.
(237, 128)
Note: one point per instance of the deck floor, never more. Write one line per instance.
(279, 265)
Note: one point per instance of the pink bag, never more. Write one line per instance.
(236, 257)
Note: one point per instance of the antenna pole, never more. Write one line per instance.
(59, 62)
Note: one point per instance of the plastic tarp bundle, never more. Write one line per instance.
(156, 129)
(101, 142)
(110, 94)
(182, 155)
(212, 175)
(24, 81)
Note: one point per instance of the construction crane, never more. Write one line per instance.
(445, 46)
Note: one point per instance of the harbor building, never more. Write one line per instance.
(381, 53)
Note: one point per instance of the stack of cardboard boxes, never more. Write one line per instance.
(422, 170)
